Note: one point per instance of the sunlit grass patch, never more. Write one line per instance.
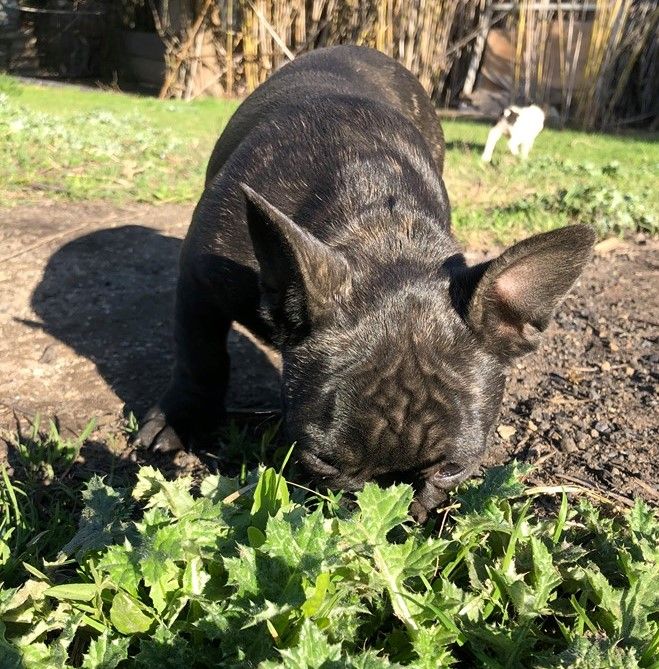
(66, 144)
(70, 144)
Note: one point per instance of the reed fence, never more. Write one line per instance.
(251, 38)
(240, 42)
(620, 41)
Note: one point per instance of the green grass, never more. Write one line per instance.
(254, 571)
(603, 180)
(71, 144)
(37, 503)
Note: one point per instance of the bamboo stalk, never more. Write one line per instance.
(624, 76)
(229, 47)
(184, 49)
(521, 28)
(194, 65)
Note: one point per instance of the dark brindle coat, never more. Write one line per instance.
(324, 228)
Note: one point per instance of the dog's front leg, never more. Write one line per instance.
(192, 408)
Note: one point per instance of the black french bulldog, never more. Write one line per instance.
(324, 229)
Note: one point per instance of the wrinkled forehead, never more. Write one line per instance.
(419, 370)
(413, 348)
(416, 386)
(415, 335)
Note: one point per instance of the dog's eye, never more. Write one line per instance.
(449, 470)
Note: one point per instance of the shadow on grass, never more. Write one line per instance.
(459, 145)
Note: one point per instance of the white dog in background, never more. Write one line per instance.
(521, 125)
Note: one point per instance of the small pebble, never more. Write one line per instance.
(506, 431)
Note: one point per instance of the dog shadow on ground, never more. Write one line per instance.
(109, 295)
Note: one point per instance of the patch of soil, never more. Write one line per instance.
(584, 406)
(85, 331)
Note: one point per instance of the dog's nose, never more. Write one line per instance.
(428, 498)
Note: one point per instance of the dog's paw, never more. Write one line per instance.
(156, 434)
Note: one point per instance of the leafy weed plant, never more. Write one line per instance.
(38, 502)
(253, 573)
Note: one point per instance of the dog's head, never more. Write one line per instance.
(395, 372)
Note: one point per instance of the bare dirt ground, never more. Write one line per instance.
(86, 294)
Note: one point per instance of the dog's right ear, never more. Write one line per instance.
(509, 301)
(302, 278)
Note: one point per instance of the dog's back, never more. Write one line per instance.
(347, 71)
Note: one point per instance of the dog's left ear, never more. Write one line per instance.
(509, 301)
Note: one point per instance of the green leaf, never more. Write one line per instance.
(270, 496)
(644, 525)
(255, 536)
(302, 542)
(77, 592)
(127, 616)
(499, 483)
(592, 653)
(560, 520)
(545, 576)
(168, 649)
(39, 656)
(643, 521)
(380, 511)
(313, 651)
(606, 596)
(24, 602)
(425, 554)
(317, 597)
(173, 496)
(195, 577)
(102, 521)
(159, 557)
(5, 551)
(106, 652)
(120, 565)
(242, 570)
(370, 660)
(10, 657)
(431, 646)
